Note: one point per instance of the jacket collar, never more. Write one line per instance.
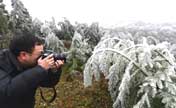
(15, 62)
(9, 62)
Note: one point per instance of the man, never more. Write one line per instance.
(22, 70)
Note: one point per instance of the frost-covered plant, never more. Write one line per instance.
(80, 44)
(155, 33)
(20, 17)
(3, 19)
(52, 42)
(92, 33)
(139, 75)
(66, 30)
(84, 40)
(37, 24)
(79, 52)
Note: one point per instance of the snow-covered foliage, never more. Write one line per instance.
(52, 42)
(3, 19)
(37, 25)
(139, 75)
(20, 17)
(154, 33)
(80, 48)
(92, 34)
(84, 40)
(65, 30)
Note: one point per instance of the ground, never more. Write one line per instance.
(71, 93)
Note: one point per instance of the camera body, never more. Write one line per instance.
(56, 56)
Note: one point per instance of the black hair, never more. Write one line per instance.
(24, 41)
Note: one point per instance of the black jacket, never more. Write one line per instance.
(18, 86)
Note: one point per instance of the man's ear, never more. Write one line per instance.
(23, 55)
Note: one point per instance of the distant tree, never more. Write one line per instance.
(66, 31)
(48, 27)
(92, 33)
(37, 25)
(20, 19)
(3, 19)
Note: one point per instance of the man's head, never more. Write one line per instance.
(27, 48)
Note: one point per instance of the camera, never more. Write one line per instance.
(56, 56)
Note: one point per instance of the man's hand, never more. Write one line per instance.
(57, 64)
(47, 62)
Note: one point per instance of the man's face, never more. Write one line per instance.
(30, 59)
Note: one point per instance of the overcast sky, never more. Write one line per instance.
(106, 12)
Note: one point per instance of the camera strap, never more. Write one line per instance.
(51, 99)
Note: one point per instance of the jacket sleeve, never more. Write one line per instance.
(51, 79)
(21, 84)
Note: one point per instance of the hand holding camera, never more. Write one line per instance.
(51, 60)
(47, 62)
